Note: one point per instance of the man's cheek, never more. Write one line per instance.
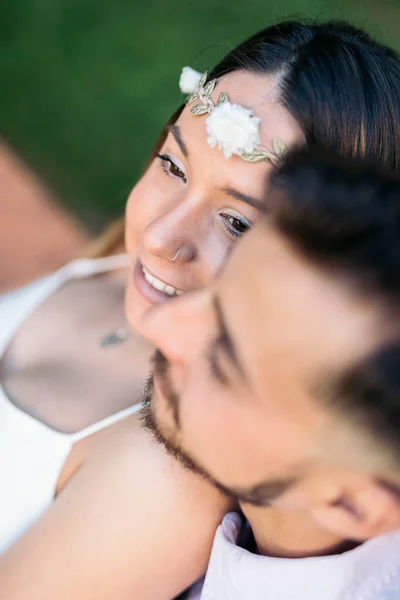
(208, 426)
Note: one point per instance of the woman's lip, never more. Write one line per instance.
(145, 289)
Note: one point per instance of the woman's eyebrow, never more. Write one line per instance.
(177, 133)
(254, 202)
(175, 130)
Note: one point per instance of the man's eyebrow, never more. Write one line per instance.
(177, 133)
(225, 339)
(254, 202)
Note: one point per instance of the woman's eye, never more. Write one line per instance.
(170, 167)
(234, 225)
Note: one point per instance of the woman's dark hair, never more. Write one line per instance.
(342, 87)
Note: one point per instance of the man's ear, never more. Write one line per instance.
(360, 511)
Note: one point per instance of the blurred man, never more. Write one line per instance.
(282, 386)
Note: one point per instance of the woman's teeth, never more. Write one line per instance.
(159, 285)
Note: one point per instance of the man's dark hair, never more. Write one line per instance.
(344, 216)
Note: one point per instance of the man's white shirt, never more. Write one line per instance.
(369, 572)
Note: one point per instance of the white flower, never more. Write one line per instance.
(233, 128)
(189, 80)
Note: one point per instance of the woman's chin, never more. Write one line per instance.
(140, 297)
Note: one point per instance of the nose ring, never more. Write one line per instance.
(176, 256)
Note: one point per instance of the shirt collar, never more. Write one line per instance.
(370, 571)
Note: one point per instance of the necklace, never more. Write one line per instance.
(119, 336)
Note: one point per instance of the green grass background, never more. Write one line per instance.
(85, 85)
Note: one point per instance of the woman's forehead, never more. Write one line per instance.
(255, 92)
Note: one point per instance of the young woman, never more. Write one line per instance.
(98, 511)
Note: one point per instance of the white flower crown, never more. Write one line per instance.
(230, 127)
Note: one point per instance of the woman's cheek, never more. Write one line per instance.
(217, 252)
(137, 214)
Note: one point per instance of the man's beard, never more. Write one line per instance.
(150, 423)
(259, 495)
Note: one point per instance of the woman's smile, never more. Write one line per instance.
(151, 287)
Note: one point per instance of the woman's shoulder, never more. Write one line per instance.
(133, 455)
(78, 267)
(130, 507)
(17, 303)
(24, 290)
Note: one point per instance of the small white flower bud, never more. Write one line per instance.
(189, 80)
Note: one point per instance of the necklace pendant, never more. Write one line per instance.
(116, 337)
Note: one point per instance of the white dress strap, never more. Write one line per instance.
(83, 267)
(104, 423)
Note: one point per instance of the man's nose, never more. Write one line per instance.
(181, 327)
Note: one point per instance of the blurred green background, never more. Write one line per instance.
(85, 85)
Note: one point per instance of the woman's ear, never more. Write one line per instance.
(361, 511)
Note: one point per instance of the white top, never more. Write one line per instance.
(32, 454)
(369, 572)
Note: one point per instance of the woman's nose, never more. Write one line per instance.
(181, 327)
(173, 235)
